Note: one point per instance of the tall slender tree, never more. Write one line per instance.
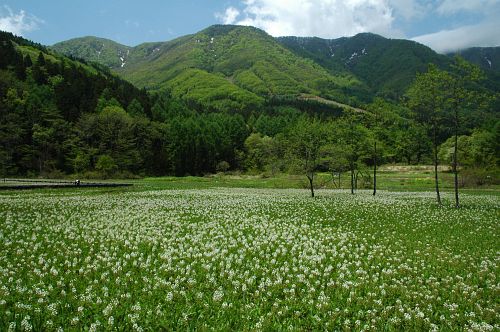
(458, 98)
(306, 139)
(377, 111)
(426, 99)
(353, 138)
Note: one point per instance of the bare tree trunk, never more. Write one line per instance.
(352, 180)
(375, 170)
(436, 167)
(311, 178)
(455, 160)
(336, 183)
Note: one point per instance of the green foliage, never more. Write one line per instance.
(222, 166)
(224, 67)
(305, 140)
(135, 108)
(41, 105)
(215, 258)
(276, 121)
(487, 58)
(426, 99)
(106, 165)
(387, 67)
(249, 80)
(230, 95)
(95, 49)
(81, 162)
(474, 151)
(212, 91)
(354, 138)
(259, 152)
(105, 100)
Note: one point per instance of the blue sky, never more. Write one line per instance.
(444, 25)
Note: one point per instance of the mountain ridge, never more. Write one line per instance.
(488, 58)
(246, 62)
(387, 66)
(251, 65)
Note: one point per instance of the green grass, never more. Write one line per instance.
(206, 253)
(408, 179)
(414, 180)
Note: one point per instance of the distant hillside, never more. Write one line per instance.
(488, 58)
(228, 67)
(45, 98)
(229, 98)
(68, 77)
(104, 51)
(387, 66)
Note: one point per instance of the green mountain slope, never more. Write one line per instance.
(227, 67)
(387, 66)
(50, 107)
(104, 51)
(488, 58)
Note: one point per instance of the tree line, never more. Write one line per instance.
(61, 117)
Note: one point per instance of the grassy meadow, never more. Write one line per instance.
(239, 253)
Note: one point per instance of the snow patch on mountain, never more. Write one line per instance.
(488, 60)
(332, 53)
(356, 54)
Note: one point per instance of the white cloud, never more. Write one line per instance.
(230, 16)
(409, 9)
(450, 7)
(321, 18)
(483, 34)
(19, 23)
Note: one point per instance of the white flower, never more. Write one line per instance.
(218, 295)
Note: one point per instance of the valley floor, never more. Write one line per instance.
(199, 256)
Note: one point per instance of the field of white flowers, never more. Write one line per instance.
(247, 259)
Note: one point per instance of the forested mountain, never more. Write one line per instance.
(488, 58)
(101, 50)
(227, 67)
(250, 65)
(43, 99)
(64, 116)
(386, 66)
(235, 98)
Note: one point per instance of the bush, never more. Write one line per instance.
(54, 174)
(94, 175)
(222, 166)
(472, 177)
(106, 165)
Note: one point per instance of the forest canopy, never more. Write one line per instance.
(62, 116)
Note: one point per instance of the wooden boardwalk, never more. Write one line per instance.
(21, 184)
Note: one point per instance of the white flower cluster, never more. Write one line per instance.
(245, 259)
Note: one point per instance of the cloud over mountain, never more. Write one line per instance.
(19, 23)
(448, 7)
(484, 34)
(322, 18)
(460, 23)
